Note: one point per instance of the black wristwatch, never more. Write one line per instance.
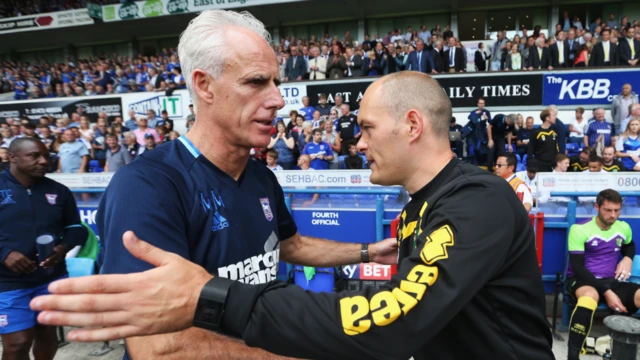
(364, 253)
(210, 306)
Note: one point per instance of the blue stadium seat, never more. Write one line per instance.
(635, 270)
(573, 148)
(632, 210)
(341, 161)
(524, 160)
(364, 161)
(94, 166)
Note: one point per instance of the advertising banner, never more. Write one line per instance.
(152, 8)
(463, 90)
(324, 178)
(585, 87)
(292, 95)
(62, 107)
(85, 180)
(351, 226)
(177, 105)
(88, 216)
(588, 182)
(46, 21)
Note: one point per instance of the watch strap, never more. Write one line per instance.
(364, 253)
(210, 306)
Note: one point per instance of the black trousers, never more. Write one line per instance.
(499, 143)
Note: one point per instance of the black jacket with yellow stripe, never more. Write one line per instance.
(468, 287)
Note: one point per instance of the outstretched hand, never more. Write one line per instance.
(156, 301)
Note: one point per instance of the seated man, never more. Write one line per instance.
(595, 164)
(595, 273)
(456, 145)
(562, 163)
(580, 162)
(353, 160)
(505, 168)
(610, 164)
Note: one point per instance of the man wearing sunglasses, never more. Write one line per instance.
(505, 168)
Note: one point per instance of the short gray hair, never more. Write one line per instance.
(202, 42)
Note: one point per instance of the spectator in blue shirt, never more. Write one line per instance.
(132, 123)
(142, 78)
(73, 154)
(599, 130)
(20, 88)
(306, 111)
(319, 151)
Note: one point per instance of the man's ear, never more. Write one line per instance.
(415, 123)
(202, 84)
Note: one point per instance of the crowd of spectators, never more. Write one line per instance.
(602, 44)
(14, 8)
(616, 143)
(93, 76)
(76, 145)
(434, 51)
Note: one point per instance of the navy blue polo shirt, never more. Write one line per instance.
(177, 200)
(45, 208)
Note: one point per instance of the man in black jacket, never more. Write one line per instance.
(463, 272)
(605, 53)
(480, 58)
(32, 205)
(629, 48)
(455, 60)
(539, 57)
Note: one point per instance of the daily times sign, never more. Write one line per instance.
(152, 8)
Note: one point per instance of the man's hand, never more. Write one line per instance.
(613, 301)
(19, 264)
(623, 271)
(157, 301)
(384, 252)
(490, 144)
(59, 253)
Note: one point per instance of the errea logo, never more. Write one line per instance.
(216, 204)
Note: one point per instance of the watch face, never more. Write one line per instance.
(208, 312)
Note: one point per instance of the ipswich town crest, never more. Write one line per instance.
(266, 208)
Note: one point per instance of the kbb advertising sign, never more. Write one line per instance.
(586, 87)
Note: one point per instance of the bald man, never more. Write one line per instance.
(467, 282)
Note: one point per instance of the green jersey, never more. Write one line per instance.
(601, 248)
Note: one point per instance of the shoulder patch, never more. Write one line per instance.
(436, 245)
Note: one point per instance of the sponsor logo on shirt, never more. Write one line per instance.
(214, 204)
(258, 269)
(6, 197)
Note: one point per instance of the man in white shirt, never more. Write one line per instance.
(505, 168)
